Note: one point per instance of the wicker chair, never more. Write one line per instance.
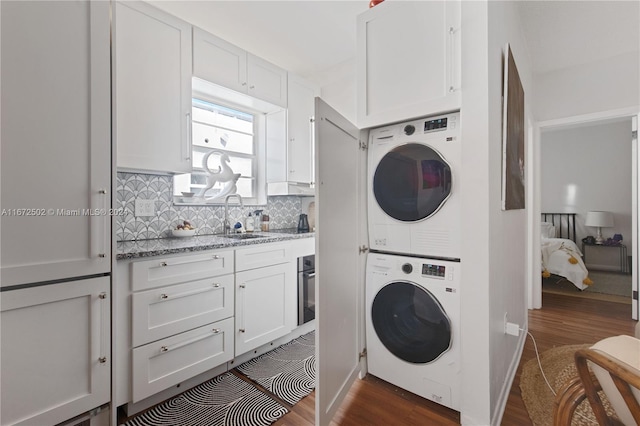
(615, 369)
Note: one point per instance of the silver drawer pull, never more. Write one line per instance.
(216, 285)
(164, 349)
(216, 330)
(164, 296)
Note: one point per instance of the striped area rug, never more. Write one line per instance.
(226, 400)
(289, 371)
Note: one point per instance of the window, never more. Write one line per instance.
(225, 141)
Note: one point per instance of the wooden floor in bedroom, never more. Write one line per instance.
(563, 320)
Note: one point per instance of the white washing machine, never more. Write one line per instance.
(413, 187)
(413, 325)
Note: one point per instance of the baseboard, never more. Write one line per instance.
(496, 417)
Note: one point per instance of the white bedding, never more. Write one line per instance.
(556, 259)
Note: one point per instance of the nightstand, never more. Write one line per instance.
(621, 247)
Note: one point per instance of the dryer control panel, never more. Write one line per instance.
(432, 270)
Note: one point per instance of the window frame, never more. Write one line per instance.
(258, 156)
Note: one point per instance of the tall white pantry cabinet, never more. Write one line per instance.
(55, 198)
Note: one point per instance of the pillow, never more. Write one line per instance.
(547, 230)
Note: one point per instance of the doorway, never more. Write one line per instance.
(588, 175)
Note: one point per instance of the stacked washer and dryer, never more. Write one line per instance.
(413, 268)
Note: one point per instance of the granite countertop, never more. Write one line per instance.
(147, 248)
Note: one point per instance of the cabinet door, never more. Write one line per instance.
(423, 38)
(300, 137)
(152, 89)
(162, 312)
(55, 351)
(265, 305)
(56, 144)
(167, 362)
(218, 61)
(266, 81)
(262, 255)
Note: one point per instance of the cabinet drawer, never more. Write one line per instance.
(163, 271)
(163, 312)
(262, 255)
(160, 365)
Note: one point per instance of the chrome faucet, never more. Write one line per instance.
(227, 225)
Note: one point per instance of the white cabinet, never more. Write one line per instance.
(169, 361)
(264, 305)
(152, 78)
(220, 62)
(429, 54)
(56, 141)
(265, 295)
(55, 351)
(290, 142)
(174, 320)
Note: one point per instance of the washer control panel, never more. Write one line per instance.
(432, 270)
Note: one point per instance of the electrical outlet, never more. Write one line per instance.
(145, 207)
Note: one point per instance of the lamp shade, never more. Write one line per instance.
(599, 219)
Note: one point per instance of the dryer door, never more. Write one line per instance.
(410, 322)
(412, 182)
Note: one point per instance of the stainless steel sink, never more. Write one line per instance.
(242, 236)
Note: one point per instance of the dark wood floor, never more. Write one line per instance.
(564, 320)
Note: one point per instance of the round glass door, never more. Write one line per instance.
(411, 323)
(412, 182)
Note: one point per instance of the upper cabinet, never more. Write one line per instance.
(220, 62)
(152, 79)
(430, 53)
(290, 143)
(56, 141)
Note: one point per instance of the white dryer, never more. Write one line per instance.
(413, 325)
(413, 187)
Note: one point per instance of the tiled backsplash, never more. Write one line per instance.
(283, 211)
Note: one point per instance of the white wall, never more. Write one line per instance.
(338, 88)
(495, 259)
(606, 85)
(589, 168)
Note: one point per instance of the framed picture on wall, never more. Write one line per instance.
(513, 160)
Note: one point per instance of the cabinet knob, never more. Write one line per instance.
(216, 330)
(216, 285)
(216, 257)
(241, 286)
(163, 263)
(241, 330)
(102, 359)
(164, 296)
(252, 87)
(102, 191)
(164, 349)
(244, 83)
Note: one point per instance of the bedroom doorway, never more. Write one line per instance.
(573, 197)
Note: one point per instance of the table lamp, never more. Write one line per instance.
(599, 220)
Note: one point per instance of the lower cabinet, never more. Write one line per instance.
(265, 305)
(55, 351)
(161, 364)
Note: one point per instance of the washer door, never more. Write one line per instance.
(412, 182)
(410, 322)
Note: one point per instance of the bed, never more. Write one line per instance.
(561, 257)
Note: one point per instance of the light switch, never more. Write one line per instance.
(145, 207)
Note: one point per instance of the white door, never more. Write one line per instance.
(635, 311)
(339, 271)
(56, 141)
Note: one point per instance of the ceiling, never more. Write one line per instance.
(311, 37)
